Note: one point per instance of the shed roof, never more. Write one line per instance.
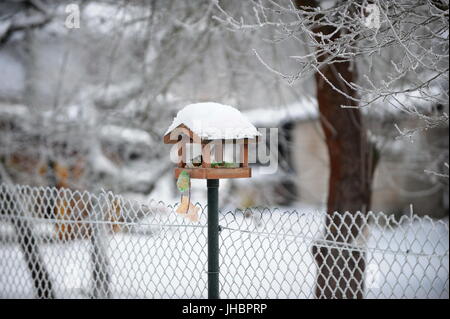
(212, 121)
(302, 110)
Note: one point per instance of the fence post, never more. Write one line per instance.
(99, 255)
(213, 238)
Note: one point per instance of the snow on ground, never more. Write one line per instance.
(421, 270)
(264, 255)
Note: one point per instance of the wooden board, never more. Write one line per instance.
(216, 173)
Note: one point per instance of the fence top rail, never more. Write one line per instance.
(355, 231)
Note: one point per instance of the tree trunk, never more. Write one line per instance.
(12, 206)
(101, 278)
(340, 271)
(28, 245)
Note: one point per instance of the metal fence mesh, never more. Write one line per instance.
(58, 243)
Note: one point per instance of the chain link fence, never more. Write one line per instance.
(58, 243)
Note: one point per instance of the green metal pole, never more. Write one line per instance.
(213, 238)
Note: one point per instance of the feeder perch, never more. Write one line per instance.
(206, 128)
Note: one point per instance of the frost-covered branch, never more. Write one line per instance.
(400, 48)
(37, 16)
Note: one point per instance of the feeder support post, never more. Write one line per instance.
(213, 238)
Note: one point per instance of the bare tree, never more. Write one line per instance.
(359, 52)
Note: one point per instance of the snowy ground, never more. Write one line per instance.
(266, 255)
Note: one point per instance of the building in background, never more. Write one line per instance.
(399, 180)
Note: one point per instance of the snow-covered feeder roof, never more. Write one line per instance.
(211, 121)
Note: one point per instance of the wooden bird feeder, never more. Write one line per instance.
(209, 128)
